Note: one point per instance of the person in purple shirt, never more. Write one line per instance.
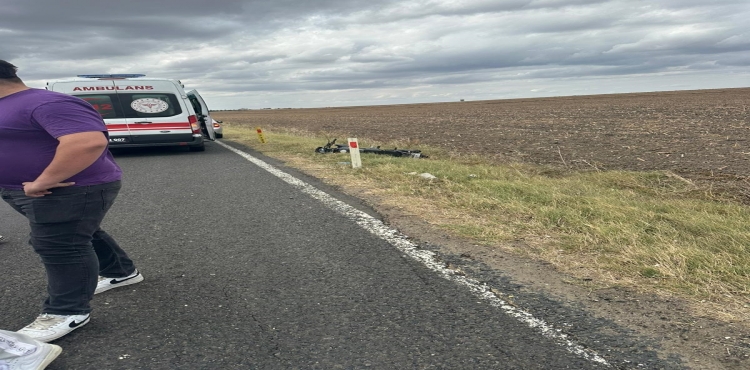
(56, 171)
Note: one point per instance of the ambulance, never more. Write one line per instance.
(142, 111)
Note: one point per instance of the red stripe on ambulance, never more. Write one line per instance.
(121, 127)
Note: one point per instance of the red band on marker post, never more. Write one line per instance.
(261, 138)
(354, 152)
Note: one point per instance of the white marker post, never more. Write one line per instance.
(354, 151)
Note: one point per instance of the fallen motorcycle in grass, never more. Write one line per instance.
(332, 147)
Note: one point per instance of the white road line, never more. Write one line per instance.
(400, 241)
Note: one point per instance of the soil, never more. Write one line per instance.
(702, 136)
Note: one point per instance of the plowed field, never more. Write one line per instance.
(702, 135)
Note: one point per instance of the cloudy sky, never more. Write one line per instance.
(319, 53)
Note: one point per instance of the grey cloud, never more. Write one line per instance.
(255, 46)
(320, 56)
(73, 13)
(435, 8)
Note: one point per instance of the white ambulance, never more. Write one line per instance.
(142, 111)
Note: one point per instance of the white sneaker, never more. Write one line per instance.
(39, 359)
(48, 327)
(106, 283)
(2, 239)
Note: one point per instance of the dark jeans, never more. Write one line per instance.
(75, 251)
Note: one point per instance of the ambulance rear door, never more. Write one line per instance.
(102, 95)
(155, 111)
(201, 109)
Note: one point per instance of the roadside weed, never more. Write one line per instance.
(646, 230)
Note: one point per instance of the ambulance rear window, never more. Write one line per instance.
(102, 104)
(134, 105)
(149, 105)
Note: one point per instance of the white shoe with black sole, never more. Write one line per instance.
(106, 283)
(48, 327)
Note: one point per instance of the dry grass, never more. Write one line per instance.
(650, 230)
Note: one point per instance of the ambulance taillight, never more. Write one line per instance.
(194, 124)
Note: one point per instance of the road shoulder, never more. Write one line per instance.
(666, 324)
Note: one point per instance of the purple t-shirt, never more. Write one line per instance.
(30, 123)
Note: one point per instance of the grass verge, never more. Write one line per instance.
(652, 231)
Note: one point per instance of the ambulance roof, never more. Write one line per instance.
(113, 77)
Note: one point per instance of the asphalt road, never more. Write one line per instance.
(245, 271)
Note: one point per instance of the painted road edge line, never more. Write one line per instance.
(427, 258)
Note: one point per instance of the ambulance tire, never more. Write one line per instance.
(200, 148)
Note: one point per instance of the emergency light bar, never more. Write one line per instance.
(112, 76)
